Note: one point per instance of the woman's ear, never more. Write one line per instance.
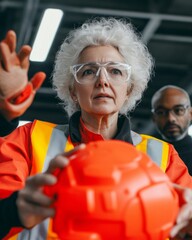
(73, 93)
(129, 89)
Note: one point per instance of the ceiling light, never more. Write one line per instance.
(45, 35)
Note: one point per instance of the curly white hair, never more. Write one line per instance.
(103, 31)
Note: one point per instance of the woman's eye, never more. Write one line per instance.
(116, 71)
(87, 72)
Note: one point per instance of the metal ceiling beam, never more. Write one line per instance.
(150, 29)
(29, 9)
(172, 38)
(122, 13)
(13, 4)
(98, 11)
(87, 10)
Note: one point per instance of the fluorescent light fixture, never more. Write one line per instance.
(45, 35)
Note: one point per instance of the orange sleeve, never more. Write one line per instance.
(15, 162)
(177, 170)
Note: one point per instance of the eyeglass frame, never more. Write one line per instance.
(99, 69)
(185, 106)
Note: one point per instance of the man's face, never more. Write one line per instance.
(172, 115)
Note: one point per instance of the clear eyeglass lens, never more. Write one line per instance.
(115, 72)
(177, 111)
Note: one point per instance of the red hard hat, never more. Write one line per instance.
(110, 190)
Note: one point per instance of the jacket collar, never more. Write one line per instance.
(123, 133)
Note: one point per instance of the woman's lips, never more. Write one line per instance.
(102, 96)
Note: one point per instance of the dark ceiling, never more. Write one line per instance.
(166, 27)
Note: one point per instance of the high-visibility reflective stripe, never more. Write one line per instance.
(56, 145)
(142, 146)
(156, 149)
(165, 153)
(40, 138)
(38, 232)
(48, 140)
(136, 138)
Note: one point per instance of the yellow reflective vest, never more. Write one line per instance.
(49, 139)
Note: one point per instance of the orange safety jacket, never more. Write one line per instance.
(48, 140)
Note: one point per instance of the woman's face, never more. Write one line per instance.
(100, 96)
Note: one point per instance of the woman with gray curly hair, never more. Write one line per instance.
(103, 32)
(100, 73)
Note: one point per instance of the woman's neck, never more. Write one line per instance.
(104, 125)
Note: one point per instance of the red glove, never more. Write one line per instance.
(16, 92)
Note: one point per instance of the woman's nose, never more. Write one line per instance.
(102, 78)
